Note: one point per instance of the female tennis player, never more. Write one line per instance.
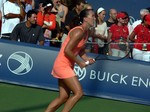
(73, 46)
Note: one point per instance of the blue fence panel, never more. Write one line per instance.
(31, 65)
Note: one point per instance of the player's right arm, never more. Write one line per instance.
(75, 37)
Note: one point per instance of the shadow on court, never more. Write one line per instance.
(14, 98)
(27, 109)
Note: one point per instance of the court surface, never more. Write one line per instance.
(14, 98)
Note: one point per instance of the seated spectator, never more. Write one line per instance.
(62, 10)
(127, 22)
(46, 19)
(141, 38)
(28, 31)
(118, 31)
(88, 46)
(112, 18)
(1, 4)
(12, 13)
(30, 4)
(143, 12)
(88, 6)
(101, 29)
(72, 18)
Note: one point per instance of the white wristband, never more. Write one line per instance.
(87, 62)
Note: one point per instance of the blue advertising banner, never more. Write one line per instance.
(31, 65)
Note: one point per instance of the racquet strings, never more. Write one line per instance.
(115, 50)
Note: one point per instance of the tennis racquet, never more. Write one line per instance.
(116, 50)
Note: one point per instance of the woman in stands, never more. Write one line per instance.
(141, 38)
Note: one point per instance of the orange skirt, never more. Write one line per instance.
(63, 72)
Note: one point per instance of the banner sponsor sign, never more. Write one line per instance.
(31, 65)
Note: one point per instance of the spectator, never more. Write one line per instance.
(143, 12)
(28, 4)
(28, 31)
(118, 31)
(12, 13)
(1, 4)
(127, 19)
(89, 46)
(101, 29)
(141, 50)
(72, 18)
(45, 18)
(88, 6)
(62, 10)
(112, 17)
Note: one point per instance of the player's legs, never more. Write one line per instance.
(74, 85)
(64, 94)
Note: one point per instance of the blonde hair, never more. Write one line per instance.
(87, 6)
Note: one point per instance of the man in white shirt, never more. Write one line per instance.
(1, 4)
(12, 13)
(143, 12)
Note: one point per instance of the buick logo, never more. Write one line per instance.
(19, 63)
(81, 73)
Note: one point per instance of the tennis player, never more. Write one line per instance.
(73, 46)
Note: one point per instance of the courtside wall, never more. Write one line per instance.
(31, 65)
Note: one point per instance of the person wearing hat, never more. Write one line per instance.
(141, 49)
(100, 29)
(46, 19)
(118, 31)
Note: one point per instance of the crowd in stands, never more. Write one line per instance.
(50, 23)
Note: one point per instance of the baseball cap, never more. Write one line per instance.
(147, 19)
(121, 15)
(47, 4)
(100, 10)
